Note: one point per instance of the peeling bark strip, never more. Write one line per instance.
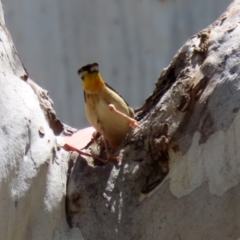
(198, 94)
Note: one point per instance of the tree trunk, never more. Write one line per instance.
(179, 178)
(33, 172)
(179, 175)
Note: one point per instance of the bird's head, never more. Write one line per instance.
(92, 80)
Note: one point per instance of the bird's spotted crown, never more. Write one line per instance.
(90, 68)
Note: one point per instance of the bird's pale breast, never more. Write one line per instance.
(111, 125)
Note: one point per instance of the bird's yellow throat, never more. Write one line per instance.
(92, 82)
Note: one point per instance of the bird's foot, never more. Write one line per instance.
(95, 136)
(111, 157)
(134, 123)
(94, 156)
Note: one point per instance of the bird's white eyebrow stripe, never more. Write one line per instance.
(94, 68)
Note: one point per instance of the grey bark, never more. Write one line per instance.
(178, 178)
(33, 171)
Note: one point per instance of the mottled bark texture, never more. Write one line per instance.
(179, 175)
(33, 171)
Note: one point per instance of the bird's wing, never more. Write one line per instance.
(116, 92)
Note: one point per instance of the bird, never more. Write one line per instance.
(105, 109)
